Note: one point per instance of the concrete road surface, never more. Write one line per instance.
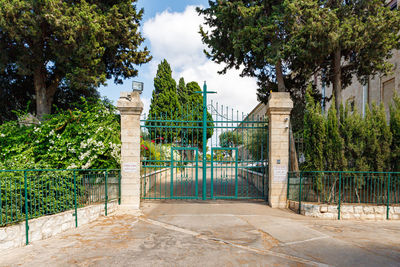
(217, 233)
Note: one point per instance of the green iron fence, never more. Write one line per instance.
(204, 151)
(28, 194)
(340, 187)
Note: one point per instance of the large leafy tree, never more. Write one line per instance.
(165, 109)
(284, 42)
(249, 34)
(76, 43)
(341, 39)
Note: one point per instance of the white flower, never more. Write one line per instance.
(51, 132)
(73, 166)
(2, 135)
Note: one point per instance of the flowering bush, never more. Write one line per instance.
(154, 150)
(88, 137)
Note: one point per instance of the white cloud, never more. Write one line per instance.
(175, 37)
(146, 105)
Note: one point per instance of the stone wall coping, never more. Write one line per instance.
(355, 211)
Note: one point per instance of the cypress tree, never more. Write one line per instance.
(182, 92)
(194, 102)
(164, 104)
(395, 130)
(378, 138)
(352, 129)
(333, 149)
(314, 134)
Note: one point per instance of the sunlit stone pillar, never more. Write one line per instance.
(130, 107)
(278, 111)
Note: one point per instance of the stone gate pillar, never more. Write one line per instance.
(278, 110)
(130, 107)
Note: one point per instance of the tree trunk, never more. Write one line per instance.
(279, 77)
(44, 95)
(337, 79)
(294, 163)
(282, 88)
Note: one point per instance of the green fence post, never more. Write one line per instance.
(119, 188)
(1, 207)
(288, 183)
(300, 194)
(340, 192)
(106, 193)
(388, 197)
(26, 209)
(204, 141)
(75, 201)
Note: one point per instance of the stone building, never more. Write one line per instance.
(378, 89)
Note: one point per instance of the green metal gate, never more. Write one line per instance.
(174, 165)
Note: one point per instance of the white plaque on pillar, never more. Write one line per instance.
(129, 167)
(280, 173)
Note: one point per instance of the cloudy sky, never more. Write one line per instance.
(171, 29)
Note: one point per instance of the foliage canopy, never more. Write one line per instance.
(75, 43)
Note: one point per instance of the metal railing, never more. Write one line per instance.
(28, 194)
(339, 187)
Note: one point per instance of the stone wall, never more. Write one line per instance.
(47, 226)
(347, 211)
(255, 178)
(150, 180)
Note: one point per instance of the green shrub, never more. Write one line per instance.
(395, 130)
(88, 137)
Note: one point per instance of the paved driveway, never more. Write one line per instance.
(217, 233)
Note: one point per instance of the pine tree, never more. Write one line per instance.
(164, 105)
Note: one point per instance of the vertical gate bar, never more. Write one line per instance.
(76, 209)
(119, 186)
(204, 140)
(197, 173)
(288, 184)
(171, 187)
(300, 194)
(212, 174)
(236, 173)
(26, 209)
(1, 207)
(340, 192)
(106, 193)
(388, 197)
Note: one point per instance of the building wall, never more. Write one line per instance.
(379, 88)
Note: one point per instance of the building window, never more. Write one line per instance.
(365, 98)
(392, 5)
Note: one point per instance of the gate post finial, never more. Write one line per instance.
(130, 107)
(278, 111)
